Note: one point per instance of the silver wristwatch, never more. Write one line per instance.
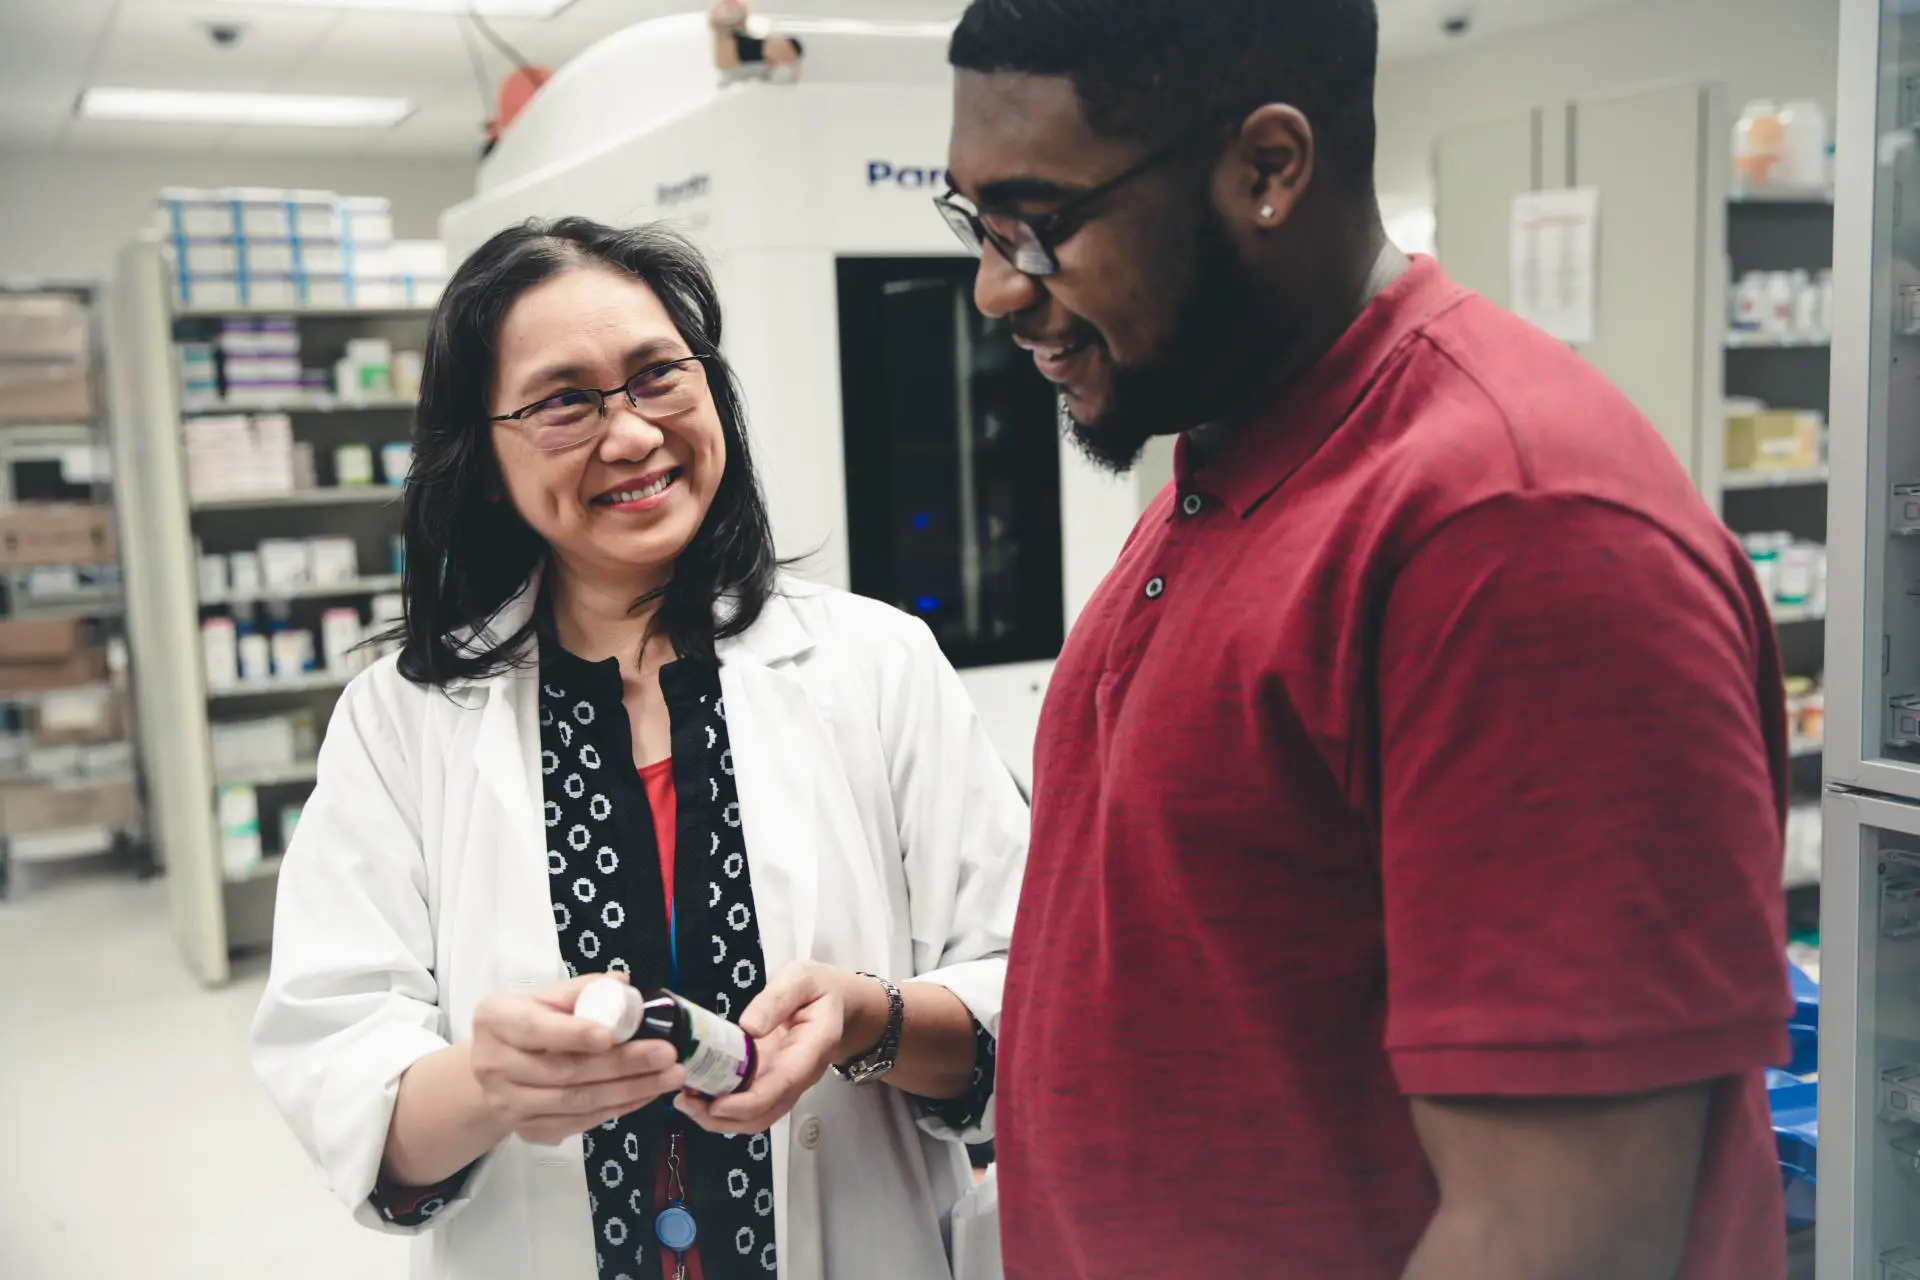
(876, 1065)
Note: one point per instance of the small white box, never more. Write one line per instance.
(246, 573)
(327, 291)
(424, 291)
(209, 291)
(251, 744)
(372, 262)
(272, 291)
(265, 214)
(263, 369)
(268, 257)
(316, 214)
(193, 212)
(53, 762)
(286, 564)
(378, 293)
(106, 757)
(366, 219)
(322, 258)
(334, 561)
(75, 710)
(424, 258)
(209, 257)
(340, 636)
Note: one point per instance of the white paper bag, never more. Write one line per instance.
(976, 1231)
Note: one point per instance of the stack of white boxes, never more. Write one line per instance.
(238, 456)
(263, 247)
(260, 362)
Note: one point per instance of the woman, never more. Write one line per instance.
(615, 740)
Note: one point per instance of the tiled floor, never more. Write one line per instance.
(134, 1141)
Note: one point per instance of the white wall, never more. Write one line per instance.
(1757, 48)
(64, 214)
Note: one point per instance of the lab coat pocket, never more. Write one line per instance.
(975, 1229)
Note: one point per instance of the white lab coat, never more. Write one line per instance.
(884, 835)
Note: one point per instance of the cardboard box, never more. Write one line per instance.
(35, 807)
(42, 393)
(81, 717)
(43, 328)
(89, 666)
(1773, 440)
(51, 533)
(39, 639)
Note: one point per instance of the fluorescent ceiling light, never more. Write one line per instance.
(939, 30)
(177, 106)
(486, 8)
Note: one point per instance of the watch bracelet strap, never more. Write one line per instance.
(888, 1050)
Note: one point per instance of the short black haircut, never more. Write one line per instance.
(468, 552)
(1148, 70)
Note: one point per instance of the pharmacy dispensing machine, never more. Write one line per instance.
(909, 450)
(1869, 1190)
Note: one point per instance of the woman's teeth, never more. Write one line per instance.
(653, 490)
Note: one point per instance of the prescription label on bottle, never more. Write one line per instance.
(717, 1055)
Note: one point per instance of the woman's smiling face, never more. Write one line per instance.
(626, 501)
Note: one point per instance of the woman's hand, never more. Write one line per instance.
(799, 1024)
(548, 1075)
(727, 15)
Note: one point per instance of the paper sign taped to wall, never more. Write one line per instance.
(1555, 248)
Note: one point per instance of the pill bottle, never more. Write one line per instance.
(719, 1057)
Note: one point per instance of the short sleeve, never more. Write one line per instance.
(1581, 809)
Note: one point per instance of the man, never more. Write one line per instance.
(1404, 896)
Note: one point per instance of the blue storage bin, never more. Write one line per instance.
(1795, 1106)
(1803, 1028)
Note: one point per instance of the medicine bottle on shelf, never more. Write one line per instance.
(719, 1057)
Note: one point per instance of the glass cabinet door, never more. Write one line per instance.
(952, 462)
(1869, 1084)
(1875, 529)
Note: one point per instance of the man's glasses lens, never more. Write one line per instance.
(1023, 248)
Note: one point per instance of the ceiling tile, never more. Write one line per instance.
(36, 34)
(162, 44)
(450, 125)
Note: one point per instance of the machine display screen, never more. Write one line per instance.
(952, 462)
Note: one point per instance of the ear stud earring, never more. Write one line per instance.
(1267, 211)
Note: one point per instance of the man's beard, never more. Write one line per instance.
(1167, 392)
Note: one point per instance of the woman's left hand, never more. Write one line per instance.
(797, 1024)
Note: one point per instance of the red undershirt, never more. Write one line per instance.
(657, 778)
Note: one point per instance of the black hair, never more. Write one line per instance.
(468, 552)
(1150, 70)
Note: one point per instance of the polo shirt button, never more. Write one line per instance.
(1156, 588)
(810, 1133)
(1193, 504)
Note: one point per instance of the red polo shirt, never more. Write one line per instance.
(1429, 742)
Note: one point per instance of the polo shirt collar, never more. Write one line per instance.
(1272, 445)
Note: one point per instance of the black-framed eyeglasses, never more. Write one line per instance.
(1030, 243)
(657, 393)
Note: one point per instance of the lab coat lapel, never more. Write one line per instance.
(506, 758)
(776, 734)
(766, 714)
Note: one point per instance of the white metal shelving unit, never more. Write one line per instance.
(26, 596)
(1779, 231)
(214, 914)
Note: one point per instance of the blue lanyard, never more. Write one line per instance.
(673, 943)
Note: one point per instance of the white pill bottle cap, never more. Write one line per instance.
(612, 1004)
